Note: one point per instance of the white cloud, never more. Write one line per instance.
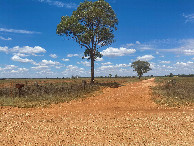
(18, 31)
(49, 62)
(45, 72)
(189, 18)
(19, 70)
(99, 59)
(8, 67)
(40, 67)
(5, 39)
(186, 47)
(111, 52)
(53, 55)
(65, 59)
(114, 67)
(182, 64)
(19, 59)
(107, 63)
(192, 58)
(166, 62)
(137, 42)
(74, 70)
(189, 52)
(28, 50)
(4, 49)
(58, 67)
(145, 47)
(85, 63)
(72, 55)
(14, 71)
(23, 69)
(129, 45)
(145, 57)
(59, 4)
(20, 54)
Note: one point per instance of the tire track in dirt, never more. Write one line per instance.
(124, 115)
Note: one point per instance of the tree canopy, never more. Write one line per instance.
(92, 26)
(141, 67)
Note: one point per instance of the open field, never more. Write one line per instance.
(43, 92)
(174, 91)
(118, 116)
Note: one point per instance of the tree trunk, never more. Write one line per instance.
(92, 69)
(139, 76)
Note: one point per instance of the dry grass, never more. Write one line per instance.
(44, 92)
(174, 92)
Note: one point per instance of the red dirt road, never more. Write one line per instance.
(124, 115)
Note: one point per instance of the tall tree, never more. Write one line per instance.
(141, 67)
(92, 26)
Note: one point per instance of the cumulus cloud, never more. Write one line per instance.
(19, 59)
(65, 59)
(85, 63)
(72, 55)
(166, 62)
(19, 70)
(189, 64)
(8, 67)
(145, 57)
(40, 67)
(107, 63)
(99, 59)
(49, 62)
(53, 55)
(23, 69)
(4, 49)
(74, 70)
(5, 39)
(28, 50)
(18, 31)
(104, 67)
(189, 52)
(20, 54)
(112, 52)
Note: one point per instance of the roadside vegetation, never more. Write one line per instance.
(43, 92)
(174, 91)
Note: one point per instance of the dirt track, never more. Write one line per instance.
(123, 115)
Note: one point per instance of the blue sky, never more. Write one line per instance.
(160, 32)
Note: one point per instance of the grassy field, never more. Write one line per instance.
(174, 91)
(43, 92)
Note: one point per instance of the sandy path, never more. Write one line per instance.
(123, 115)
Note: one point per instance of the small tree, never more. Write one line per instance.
(92, 26)
(171, 75)
(141, 67)
(110, 75)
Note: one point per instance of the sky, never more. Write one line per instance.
(158, 31)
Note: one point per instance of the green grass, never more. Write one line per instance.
(53, 91)
(174, 91)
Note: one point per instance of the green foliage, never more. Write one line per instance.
(171, 75)
(91, 25)
(141, 67)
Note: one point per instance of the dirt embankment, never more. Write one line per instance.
(124, 115)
